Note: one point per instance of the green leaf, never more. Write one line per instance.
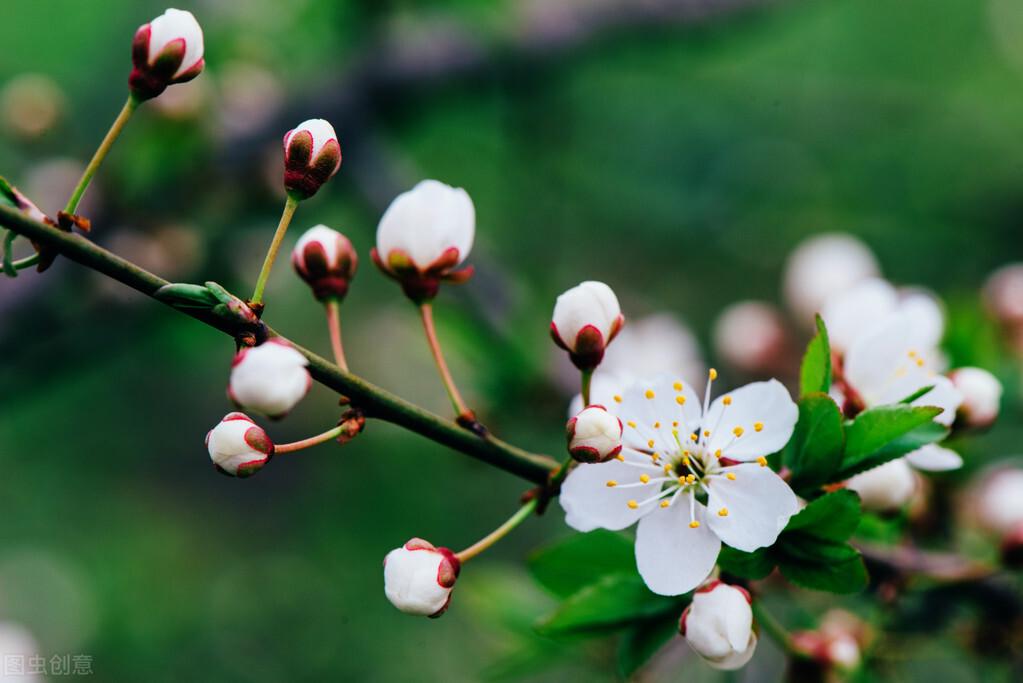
(814, 453)
(919, 393)
(642, 641)
(815, 372)
(834, 517)
(7, 194)
(611, 602)
(873, 440)
(185, 295)
(753, 566)
(581, 559)
(822, 565)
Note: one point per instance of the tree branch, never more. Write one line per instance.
(376, 402)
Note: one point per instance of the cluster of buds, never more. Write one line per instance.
(718, 625)
(238, 446)
(326, 260)
(312, 155)
(594, 435)
(419, 578)
(269, 379)
(423, 236)
(167, 50)
(586, 318)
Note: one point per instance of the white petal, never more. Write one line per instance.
(766, 403)
(589, 502)
(588, 303)
(738, 659)
(879, 365)
(944, 395)
(663, 409)
(821, 267)
(934, 458)
(758, 503)
(886, 487)
(671, 557)
(426, 221)
(170, 26)
(854, 311)
(926, 318)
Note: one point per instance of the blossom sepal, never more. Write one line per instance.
(312, 155)
(238, 446)
(419, 578)
(165, 51)
(422, 284)
(326, 260)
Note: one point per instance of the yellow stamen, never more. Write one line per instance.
(713, 374)
(690, 478)
(920, 362)
(657, 425)
(693, 437)
(727, 400)
(665, 503)
(730, 476)
(706, 432)
(632, 504)
(758, 426)
(617, 398)
(694, 524)
(738, 431)
(645, 478)
(667, 469)
(681, 400)
(611, 483)
(682, 481)
(674, 423)
(631, 423)
(717, 453)
(649, 393)
(762, 461)
(723, 512)
(620, 457)
(650, 443)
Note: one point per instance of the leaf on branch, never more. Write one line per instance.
(885, 433)
(612, 602)
(815, 371)
(755, 565)
(814, 453)
(581, 559)
(830, 566)
(834, 516)
(919, 393)
(185, 295)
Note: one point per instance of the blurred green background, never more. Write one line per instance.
(678, 157)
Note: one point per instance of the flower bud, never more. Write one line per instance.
(418, 578)
(750, 336)
(312, 155)
(821, 267)
(270, 378)
(326, 260)
(594, 435)
(885, 488)
(423, 236)
(998, 501)
(238, 446)
(167, 50)
(586, 318)
(718, 625)
(982, 396)
(1003, 293)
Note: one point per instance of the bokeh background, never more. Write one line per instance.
(676, 149)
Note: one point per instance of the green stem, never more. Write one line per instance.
(498, 533)
(27, 262)
(772, 627)
(426, 312)
(101, 152)
(275, 245)
(559, 476)
(326, 436)
(587, 377)
(376, 402)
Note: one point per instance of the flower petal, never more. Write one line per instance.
(672, 557)
(764, 404)
(934, 458)
(944, 395)
(590, 503)
(653, 406)
(854, 311)
(756, 506)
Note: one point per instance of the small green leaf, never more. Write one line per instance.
(814, 453)
(815, 372)
(611, 602)
(185, 295)
(753, 566)
(834, 517)
(581, 559)
(873, 440)
(8, 197)
(823, 565)
(919, 393)
(642, 641)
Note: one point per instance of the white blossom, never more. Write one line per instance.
(887, 487)
(982, 395)
(167, 50)
(326, 260)
(821, 267)
(585, 320)
(429, 228)
(269, 379)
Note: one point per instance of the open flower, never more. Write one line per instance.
(269, 379)
(594, 435)
(312, 155)
(586, 318)
(167, 50)
(718, 625)
(238, 446)
(424, 235)
(326, 260)
(418, 578)
(692, 478)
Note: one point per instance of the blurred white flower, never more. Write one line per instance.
(821, 267)
(238, 446)
(674, 454)
(751, 337)
(419, 578)
(887, 487)
(250, 98)
(31, 105)
(17, 646)
(594, 435)
(718, 625)
(999, 500)
(270, 378)
(860, 310)
(1003, 293)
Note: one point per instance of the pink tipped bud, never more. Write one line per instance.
(586, 318)
(312, 155)
(269, 379)
(424, 235)
(167, 50)
(718, 625)
(982, 396)
(419, 578)
(326, 260)
(238, 446)
(751, 337)
(594, 435)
